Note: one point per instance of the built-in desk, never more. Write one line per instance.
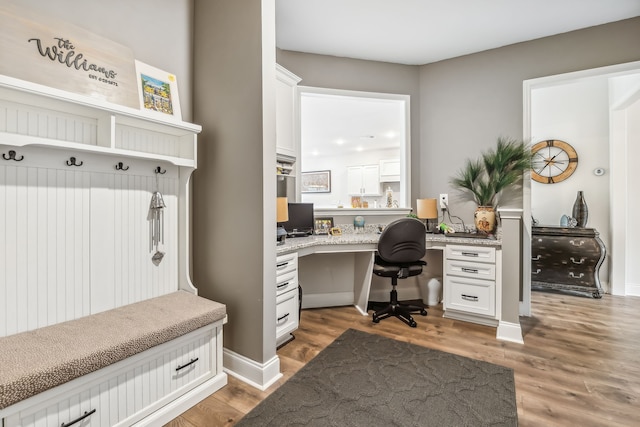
(337, 271)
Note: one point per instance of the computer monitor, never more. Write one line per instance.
(300, 220)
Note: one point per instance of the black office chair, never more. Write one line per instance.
(400, 251)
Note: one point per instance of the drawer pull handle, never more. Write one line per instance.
(470, 270)
(577, 262)
(469, 297)
(282, 285)
(574, 276)
(283, 317)
(573, 242)
(536, 258)
(537, 271)
(77, 420)
(282, 264)
(473, 254)
(187, 364)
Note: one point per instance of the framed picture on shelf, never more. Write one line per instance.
(323, 225)
(316, 182)
(158, 91)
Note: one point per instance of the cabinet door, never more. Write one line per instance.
(371, 180)
(285, 95)
(390, 170)
(354, 180)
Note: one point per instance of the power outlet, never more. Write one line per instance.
(444, 201)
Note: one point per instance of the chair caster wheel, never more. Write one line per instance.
(375, 319)
(413, 324)
(423, 312)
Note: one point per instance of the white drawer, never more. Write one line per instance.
(470, 269)
(286, 313)
(286, 282)
(470, 295)
(286, 264)
(133, 390)
(471, 253)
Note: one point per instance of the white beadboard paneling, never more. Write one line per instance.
(40, 122)
(75, 240)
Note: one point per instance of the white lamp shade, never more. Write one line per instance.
(282, 209)
(427, 208)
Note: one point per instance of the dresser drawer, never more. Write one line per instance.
(287, 313)
(126, 392)
(470, 295)
(471, 253)
(470, 269)
(286, 264)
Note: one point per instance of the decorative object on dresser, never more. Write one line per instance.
(484, 179)
(580, 210)
(567, 259)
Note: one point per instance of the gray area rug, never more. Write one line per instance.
(367, 380)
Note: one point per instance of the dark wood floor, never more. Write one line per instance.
(579, 366)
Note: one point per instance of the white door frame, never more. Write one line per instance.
(618, 174)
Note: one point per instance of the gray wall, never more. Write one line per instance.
(367, 76)
(462, 105)
(228, 253)
(467, 102)
(158, 31)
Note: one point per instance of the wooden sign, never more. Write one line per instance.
(63, 56)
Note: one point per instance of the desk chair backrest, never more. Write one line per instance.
(402, 241)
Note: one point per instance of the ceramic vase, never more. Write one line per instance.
(485, 219)
(580, 210)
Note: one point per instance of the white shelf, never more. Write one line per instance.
(34, 114)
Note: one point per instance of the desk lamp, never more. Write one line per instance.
(427, 209)
(282, 215)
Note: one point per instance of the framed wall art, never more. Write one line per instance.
(316, 182)
(158, 91)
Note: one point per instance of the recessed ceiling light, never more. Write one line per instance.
(359, 148)
(339, 141)
(315, 152)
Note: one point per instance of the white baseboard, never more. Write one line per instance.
(258, 375)
(632, 290)
(509, 332)
(334, 299)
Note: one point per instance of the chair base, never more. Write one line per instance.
(401, 310)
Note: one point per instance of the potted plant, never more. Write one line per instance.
(484, 179)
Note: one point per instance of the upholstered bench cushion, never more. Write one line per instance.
(32, 362)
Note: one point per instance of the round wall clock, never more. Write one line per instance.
(552, 161)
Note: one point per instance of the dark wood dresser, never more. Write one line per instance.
(567, 259)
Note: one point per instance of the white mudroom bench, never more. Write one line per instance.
(100, 324)
(117, 367)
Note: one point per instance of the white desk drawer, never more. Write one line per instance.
(286, 282)
(286, 263)
(286, 313)
(471, 253)
(471, 269)
(470, 295)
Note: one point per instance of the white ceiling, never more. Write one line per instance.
(423, 31)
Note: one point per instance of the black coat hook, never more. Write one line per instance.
(160, 171)
(12, 156)
(120, 167)
(72, 162)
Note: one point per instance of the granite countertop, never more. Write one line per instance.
(298, 243)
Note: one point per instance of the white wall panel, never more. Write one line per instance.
(76, 240)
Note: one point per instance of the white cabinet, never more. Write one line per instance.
(286, 140)
(287, 303)
(129, 392)
(363, 180)
(390, 170)
(470, 283)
